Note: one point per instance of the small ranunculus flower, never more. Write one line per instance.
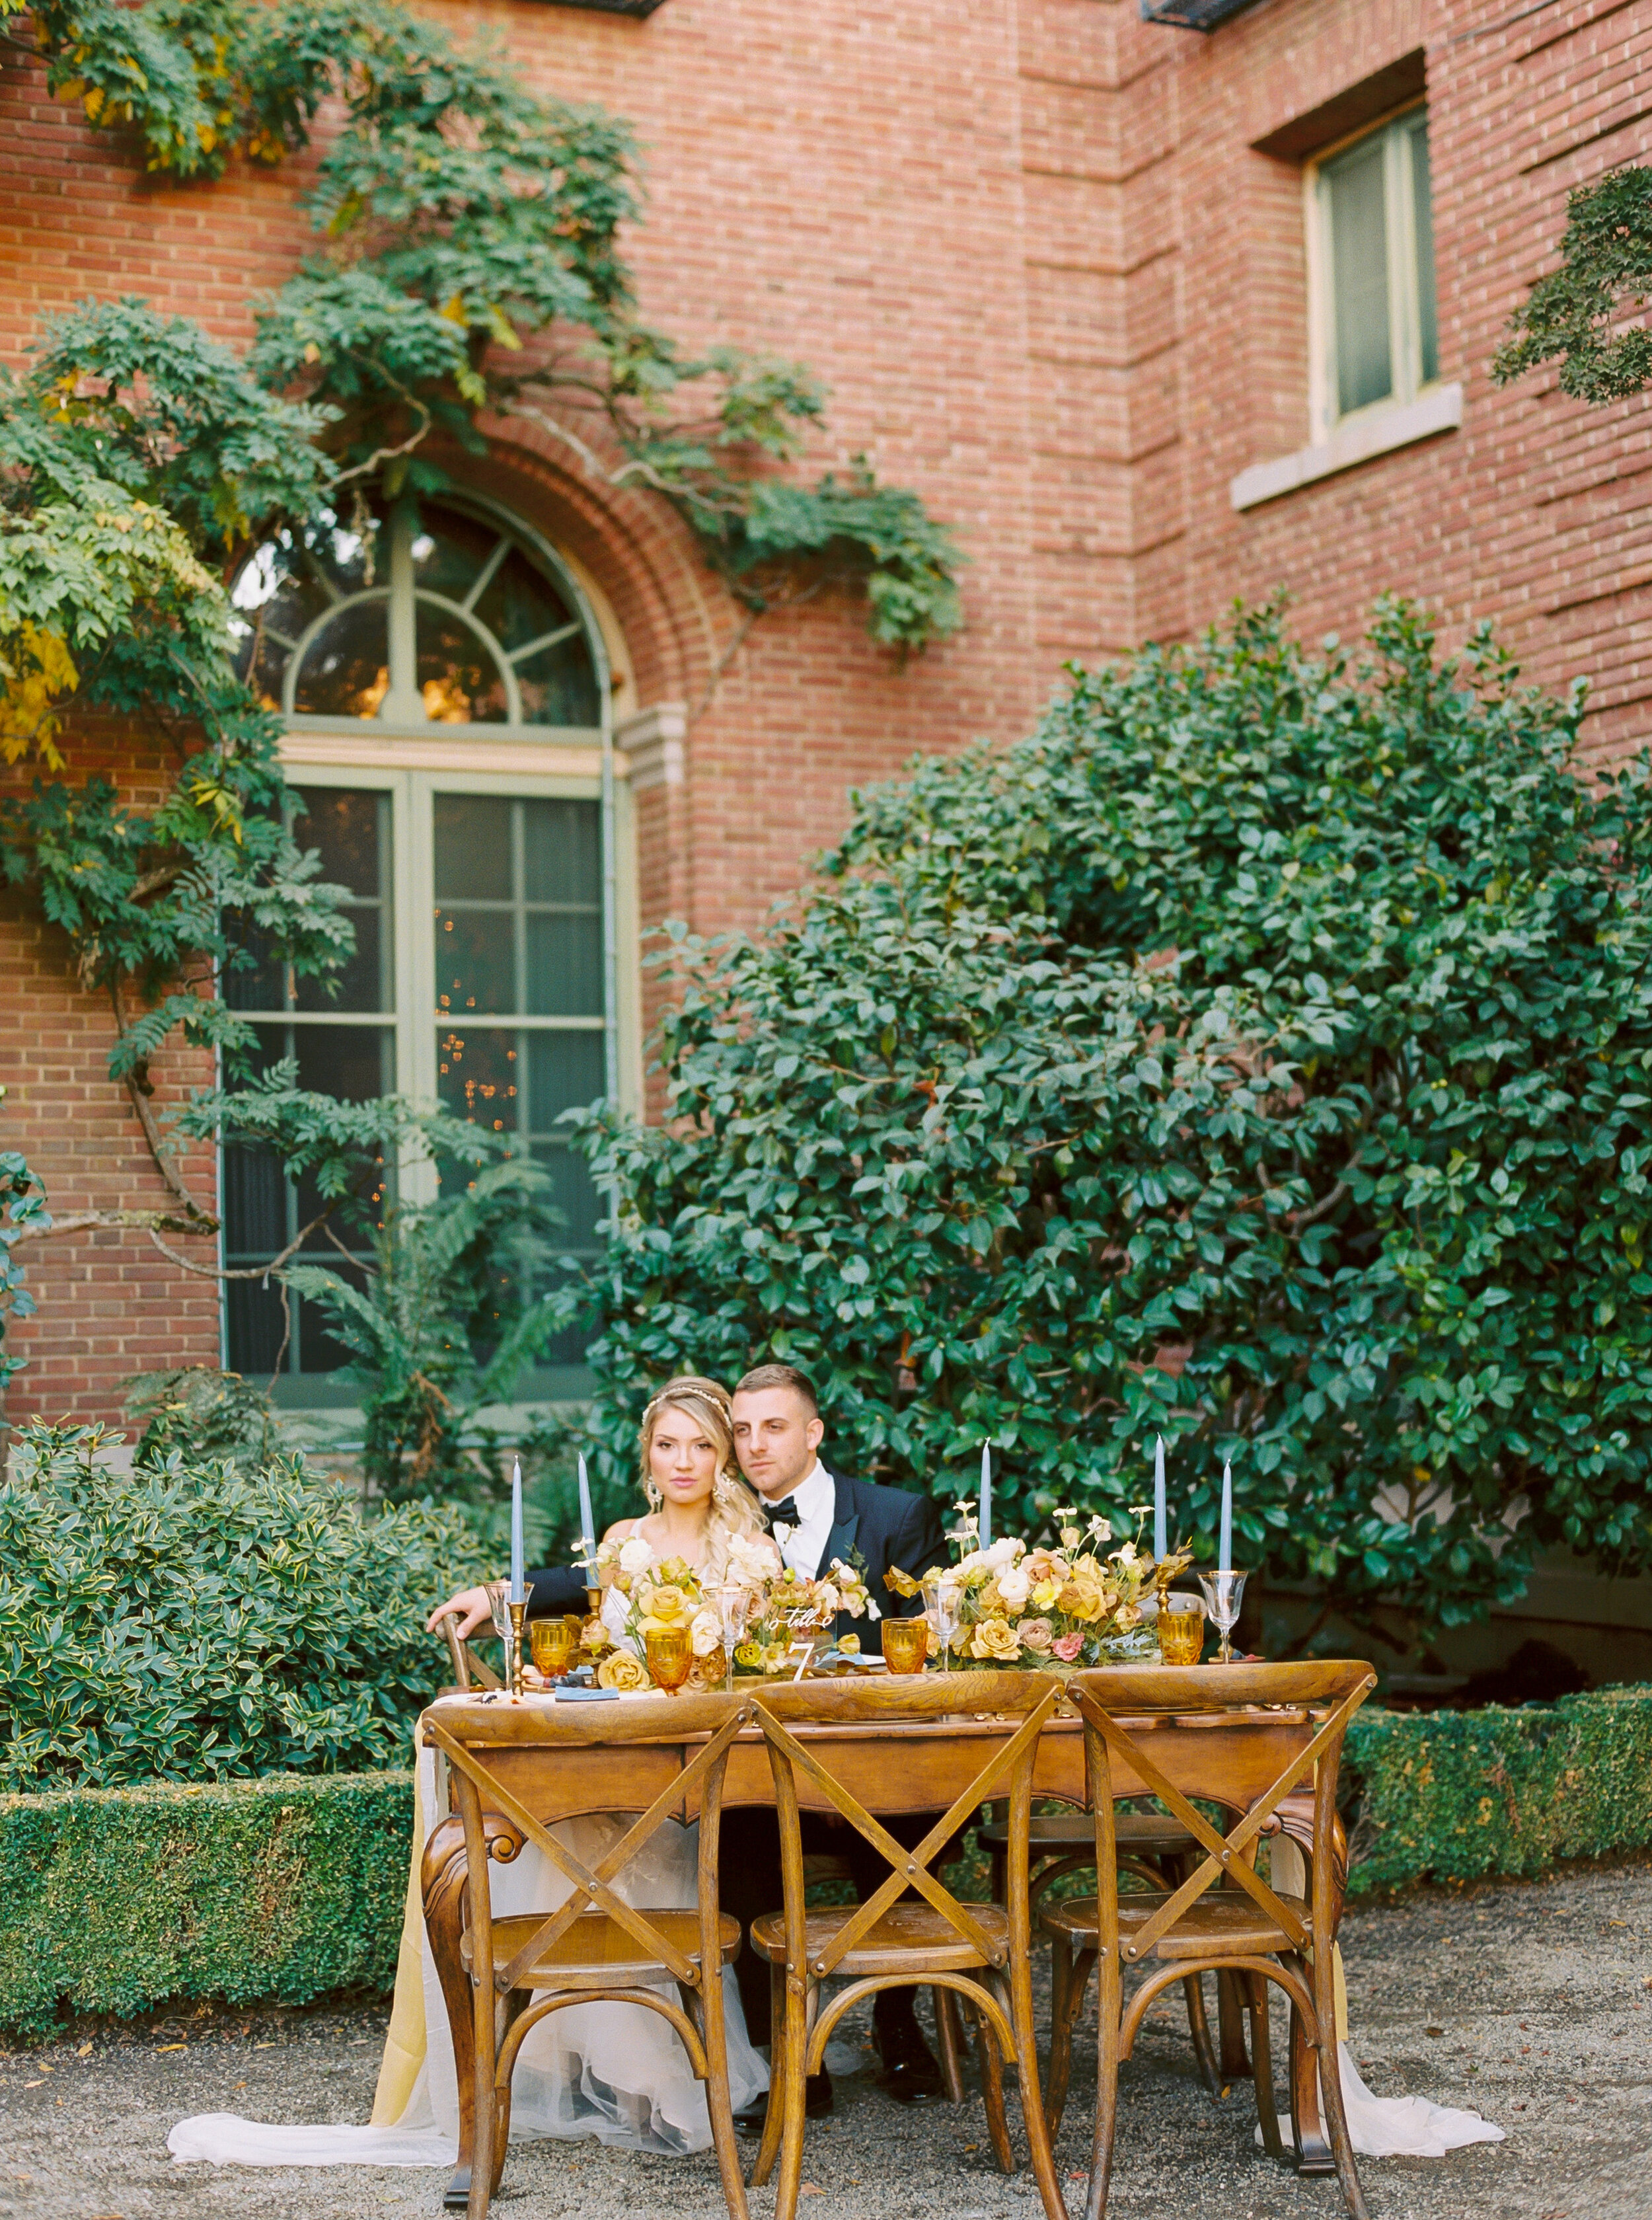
(621, 1671)
(635, 1555)
(1046, 1594)
(1067, 1646)
(1037, 1635)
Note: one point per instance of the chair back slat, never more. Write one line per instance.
(1026, 1698)
(1103, 1696)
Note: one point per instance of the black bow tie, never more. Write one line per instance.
(785, 1514)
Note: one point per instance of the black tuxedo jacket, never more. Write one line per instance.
(882, 1528)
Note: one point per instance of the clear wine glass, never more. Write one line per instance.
(1224, 1594)
(733, 1606)
(944, 1608)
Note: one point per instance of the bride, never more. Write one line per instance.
(614, 2071)
(617, 2071)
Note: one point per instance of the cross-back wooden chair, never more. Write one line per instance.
(594, 1947)
(1224, 1917)
(983, 1952)
(1154, 1848)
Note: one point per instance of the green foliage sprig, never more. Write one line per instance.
(1261, 1054)
(1575, 314)
(23, 1209)
(473, 263)
(189, 1620)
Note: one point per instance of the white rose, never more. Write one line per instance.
(1003, 1553)
(1015, 1586)
(829, 1601)
(707, 1633)
(636, 1557)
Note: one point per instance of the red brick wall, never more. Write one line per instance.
(1033, 251)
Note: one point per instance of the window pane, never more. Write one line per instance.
(1359, 256)
(477, 1076)
(1428, 332)
(564, 1073)
(458, 678)
(351, 829)
(476, 960)
(565, 965)
(558, 685)
(562, 852)
(346, 672)
(473, 848)
(450, 550)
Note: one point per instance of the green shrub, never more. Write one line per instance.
(1260, 1054)
(278, 1890)
(1456, 1795)
(187, 1621)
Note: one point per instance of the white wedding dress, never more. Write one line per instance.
(614, 2071)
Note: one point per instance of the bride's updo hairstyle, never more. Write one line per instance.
(734, 1507)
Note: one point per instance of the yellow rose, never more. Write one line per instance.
(1083, 1598)
(996, 1638)
(849, 1644)
(621, 1670)
(595, 1637)
(667, 1604)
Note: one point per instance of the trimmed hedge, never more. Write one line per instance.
(1454, 1795)
(280, 1890)
(117, 1899)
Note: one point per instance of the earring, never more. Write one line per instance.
(652, 1490)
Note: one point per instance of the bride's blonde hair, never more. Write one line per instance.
(734, 1508)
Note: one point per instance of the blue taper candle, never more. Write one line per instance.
(1225, 1562)
(518, 1573)
(986, 1534)
(1161, 1523)
(586, 1526)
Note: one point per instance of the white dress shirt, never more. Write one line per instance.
(801, 1548)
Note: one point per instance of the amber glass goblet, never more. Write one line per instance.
(670, 1658)
(906, 1645)
(1181, 1629)
(554, 1640)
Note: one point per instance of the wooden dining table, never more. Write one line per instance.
(1230, 1759)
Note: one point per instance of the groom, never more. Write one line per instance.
(815, 1515)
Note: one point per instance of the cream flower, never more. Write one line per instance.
(621, 1671)
(1036, 1635)
(752, 1560)
(635, 1555)
(707, 1633)
(1014, 1586)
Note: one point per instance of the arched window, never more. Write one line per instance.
(400, 647)
(433, 617)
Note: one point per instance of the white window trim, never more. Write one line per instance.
(1369, 433)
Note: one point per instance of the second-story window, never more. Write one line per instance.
(1372, 264)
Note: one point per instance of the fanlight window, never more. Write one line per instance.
(437, 618)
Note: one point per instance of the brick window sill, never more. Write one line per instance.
(1438, 410)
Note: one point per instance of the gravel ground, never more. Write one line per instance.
(1532, 2004)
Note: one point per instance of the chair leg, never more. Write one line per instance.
(949, 2037)
(1229, 2028)
(707, 2012)
(1312, 2151)
(801, 1997)
(1071, 1980)
(1331, 2085)
(509, 2012)
(1261, 2052)
(486, 2156)
(773, 2118)
(1109, 2012)
(1199, 2029)
(992, 2092)
(1016, 1996)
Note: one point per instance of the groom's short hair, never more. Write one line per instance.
(780, 1376)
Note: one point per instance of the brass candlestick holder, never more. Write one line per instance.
(513, 1647)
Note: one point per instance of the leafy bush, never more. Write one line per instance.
(190, 1621)
(117, 1900)
(1260, 1053)
(204, 1413)
(22, 1205)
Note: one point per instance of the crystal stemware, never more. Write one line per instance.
(944, 1609)
(1224, 1594)
(733, 1604)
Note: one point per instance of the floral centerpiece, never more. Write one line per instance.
(1054, 1608)
(769, 1608)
